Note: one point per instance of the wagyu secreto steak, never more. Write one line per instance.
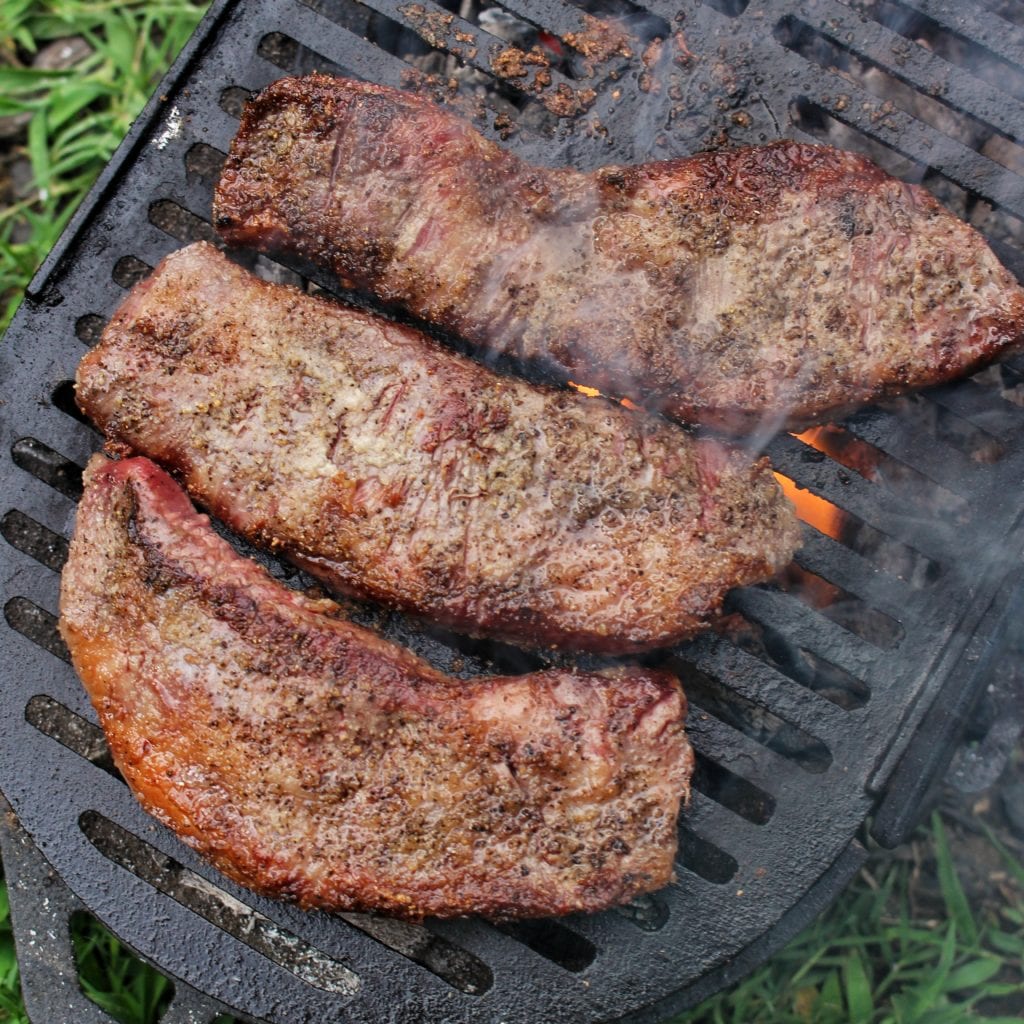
(396, 469)
(749, 288)
(311, 759)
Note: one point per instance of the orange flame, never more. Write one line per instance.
(816, 437)
(594, 393)
(815, 511)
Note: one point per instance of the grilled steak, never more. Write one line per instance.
(393, 468)
(311, 759)
(752, 288)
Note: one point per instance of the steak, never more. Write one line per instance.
(393, 468)
(760, 287)
(310, 759)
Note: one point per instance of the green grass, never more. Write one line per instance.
(10, 992)
(875, 958)
(129, 990)
(77, 116)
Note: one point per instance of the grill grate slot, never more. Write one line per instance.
(755, 721)
(974, 441)
(89, 327)
(805, 667)
(24, 533)
(233, 99)
(290, 55)
(842, 607)
(749, 677)
(1003, 228)
(889, 126)
(129, 271)
(443, 31)
(63, 398)
(553, 941)
(908, 75)
(705, 859)
(100, 960)
(647, 912)
(180, 223)
(944, 29)
(456, 966)
(802, 626)
(730, 8)
(942, 445)
(548, 15)
(882, 590)
(84, 738)
(973, 403)
(36, 624)
(218, 906)
(733, 791)
(49, 466)
(204, 162)
(867, 519)
(907, 483)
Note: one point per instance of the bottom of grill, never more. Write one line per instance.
(42, 908)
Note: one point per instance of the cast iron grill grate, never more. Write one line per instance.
(835, 692)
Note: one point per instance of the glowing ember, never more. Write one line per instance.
(815, 511)
(816, 437)
(847, 450)
(594, 393)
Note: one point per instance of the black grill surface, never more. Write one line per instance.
(833, 694)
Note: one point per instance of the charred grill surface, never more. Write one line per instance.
(393, 468)
(311, 759)
(763, 286)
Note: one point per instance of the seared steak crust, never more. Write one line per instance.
(768, 285)
(393, 468)
(309, 758)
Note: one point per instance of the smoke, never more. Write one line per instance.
(716, 77)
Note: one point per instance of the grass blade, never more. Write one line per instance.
(934, 986)
(952, 891)
(859, 1001)
(973, 974)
